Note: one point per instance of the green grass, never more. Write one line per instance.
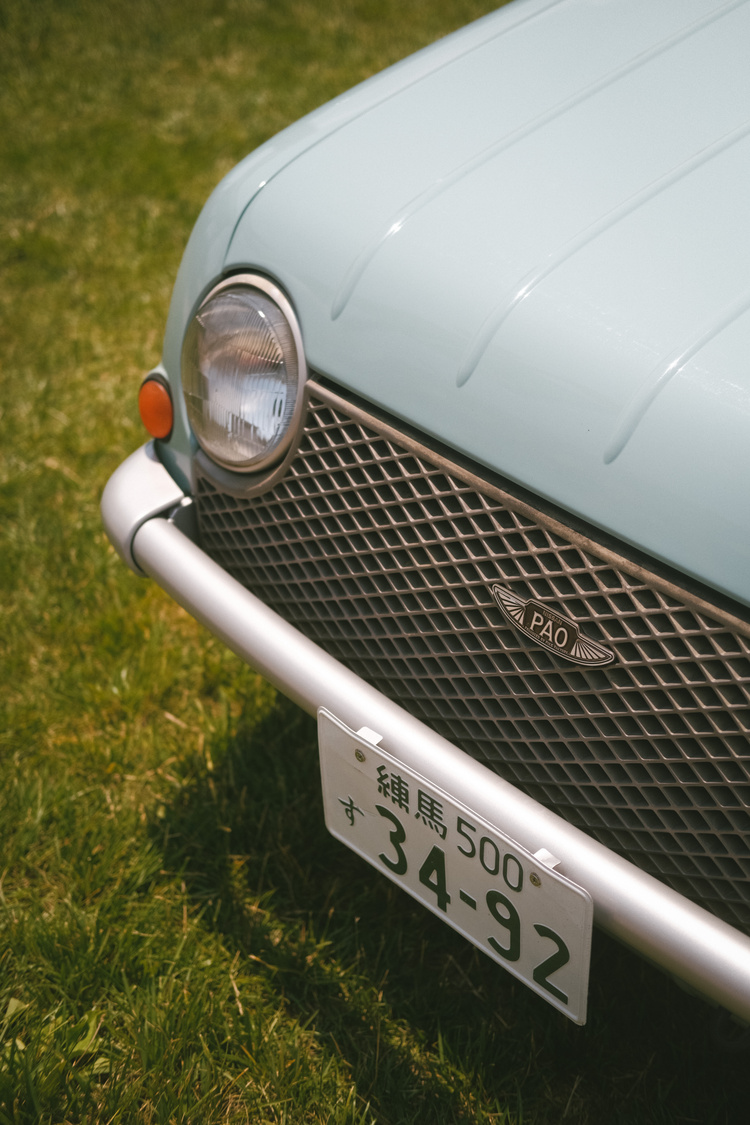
(180, 940)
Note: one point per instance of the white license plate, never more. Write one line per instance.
(507, 901)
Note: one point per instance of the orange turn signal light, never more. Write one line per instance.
(155, 406)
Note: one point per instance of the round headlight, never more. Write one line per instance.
(243, 369)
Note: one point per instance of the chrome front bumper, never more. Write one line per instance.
(144, 510)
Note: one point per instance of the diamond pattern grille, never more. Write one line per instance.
(386, 559)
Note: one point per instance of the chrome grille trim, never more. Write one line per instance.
(384, 553)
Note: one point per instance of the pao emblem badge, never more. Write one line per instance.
(551, 630)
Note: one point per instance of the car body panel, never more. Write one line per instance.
(537, 290)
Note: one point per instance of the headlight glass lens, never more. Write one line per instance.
(241, 377)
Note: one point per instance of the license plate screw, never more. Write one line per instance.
(359, 755)
(534, 879)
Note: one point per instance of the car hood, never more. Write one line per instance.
(537, 251)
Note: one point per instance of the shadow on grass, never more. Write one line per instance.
(429, 1029)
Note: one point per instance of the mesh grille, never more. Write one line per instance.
(386, 559)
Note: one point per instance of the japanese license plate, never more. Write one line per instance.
(526, 916)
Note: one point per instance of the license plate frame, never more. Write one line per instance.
(504, 899)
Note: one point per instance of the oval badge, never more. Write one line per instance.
(549, 629)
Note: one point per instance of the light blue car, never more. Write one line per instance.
(451, 440)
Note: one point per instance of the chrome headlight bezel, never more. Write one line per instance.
(295, 363)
